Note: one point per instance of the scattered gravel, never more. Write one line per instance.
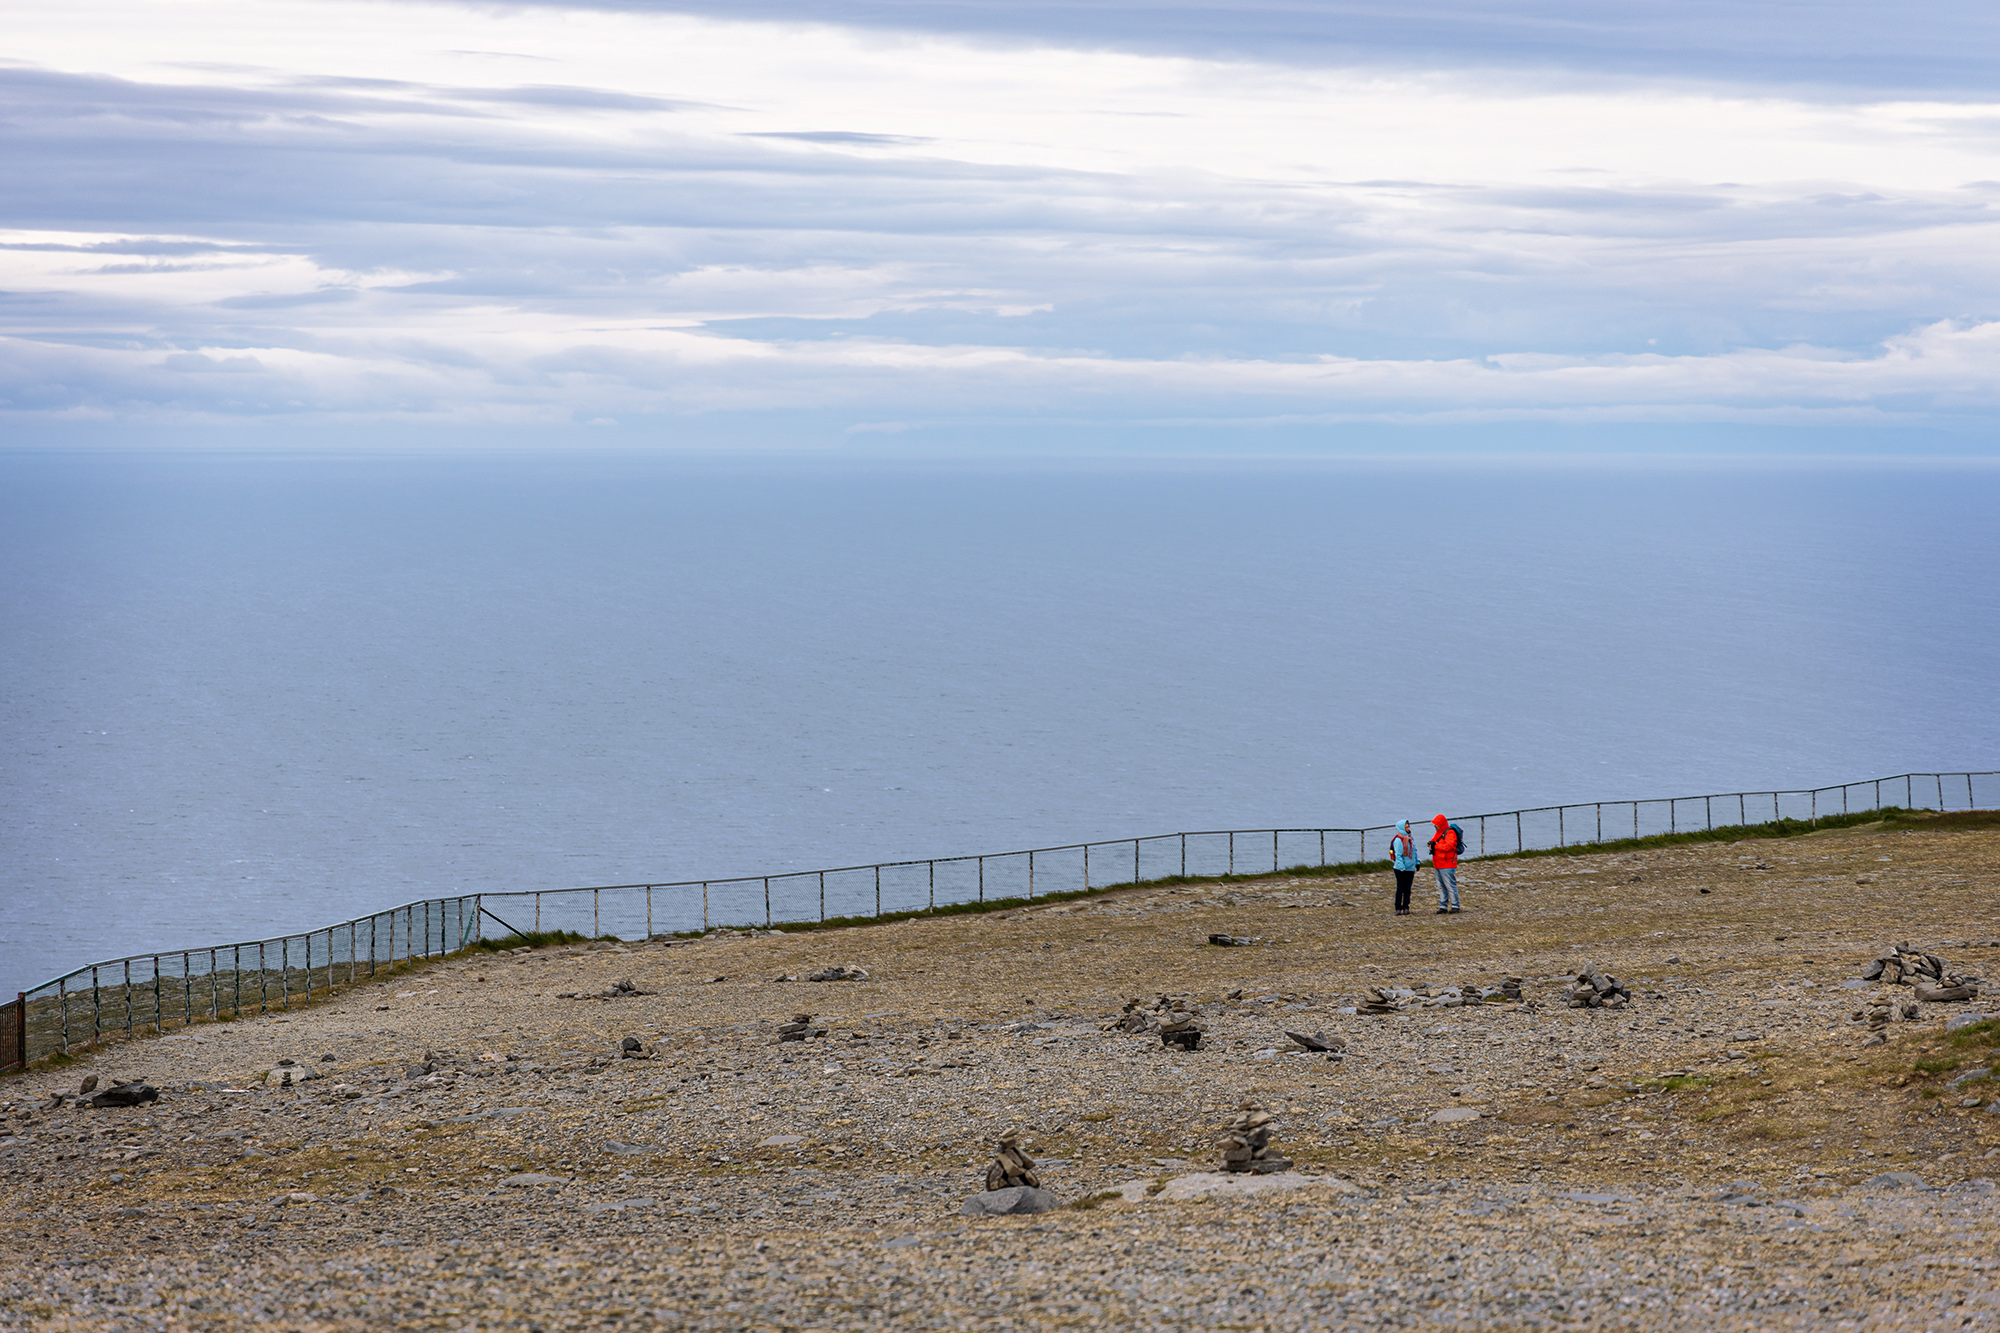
(491, 1153)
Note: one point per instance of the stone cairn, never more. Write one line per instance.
(799, 1029)
(1246, 1142)
(1133, 1018)
(1178, 1026)
(1395, 999)
(840, 972)
(1011, 1166)
(1597, 990)
(1900, 965)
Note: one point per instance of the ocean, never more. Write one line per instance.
(252, 694)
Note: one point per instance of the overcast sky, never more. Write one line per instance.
(976, 226)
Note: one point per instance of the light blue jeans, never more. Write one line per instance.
(1447, 885)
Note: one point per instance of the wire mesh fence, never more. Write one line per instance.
(125, 997)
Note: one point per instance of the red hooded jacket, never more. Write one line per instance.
(1444, 846)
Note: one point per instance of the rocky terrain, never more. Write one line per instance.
(469, 1145)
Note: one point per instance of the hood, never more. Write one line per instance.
(1402, 826)
(1441, 822)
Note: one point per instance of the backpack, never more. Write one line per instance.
(1458, 833)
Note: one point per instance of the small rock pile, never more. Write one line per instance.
(1179, 1028)
(1395, 999)
(1882, 1011)
(1900, 965)
(1246, 1142)
(799, 1029)
(1597, 990)
(1011, 1166)
(1133, 1018)
(622, 990)
(839, 972)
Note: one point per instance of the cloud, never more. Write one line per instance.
(375, 227)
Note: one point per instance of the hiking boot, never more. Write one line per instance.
(1456, 910)
(1443, 911)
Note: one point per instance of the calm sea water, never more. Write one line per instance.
(251, 695)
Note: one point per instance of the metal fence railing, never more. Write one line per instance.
(152, 992)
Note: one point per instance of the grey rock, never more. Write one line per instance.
(1595, 1198)
(839, 972)
(1855, 983)
(126, 1094)
(1957, 1021)
(633, 1149)
(901, 1243)
(1895, 1180)
(1013, 1200)
(1453, 1115)
(1970, 1076)
(529, 1178)
(1318, 1041)
(1746, 1035)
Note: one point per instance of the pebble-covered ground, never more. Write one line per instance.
(471, 1152)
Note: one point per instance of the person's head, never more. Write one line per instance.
(1440, 822)
(1402, 826)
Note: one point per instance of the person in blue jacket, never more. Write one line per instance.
(1403, 860)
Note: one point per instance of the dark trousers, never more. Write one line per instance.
(1404, 878)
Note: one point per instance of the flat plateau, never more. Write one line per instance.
(1725, 1152)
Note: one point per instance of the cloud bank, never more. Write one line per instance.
(670, 226)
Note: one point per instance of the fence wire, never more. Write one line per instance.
(125, 997)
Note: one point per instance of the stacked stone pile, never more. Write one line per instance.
(840, 972)
(1133, 1018)
(1246, 1142)
(1597, 990)
(1179, 1028)
(799, 1029)
(1395, 999)
(1881, 1011)
(620, 991)
(1011, 1167)
(1901, 965)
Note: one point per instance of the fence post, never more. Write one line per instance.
(933, 906)
(1562, 833)
(1183, 856)
(822, 895)
(285, 967)
(1940, 783)
(1673, 813)
(1274, 850)
(1519, 845)
(1482, 836)
(187, 991)
(62, 1005)
(128, 997)
(1708, 812)
(1815, 807)
(982, 883)
(704, 907)
(1635, 820)
(649, 911)
(1031, 876)
(767, 902)
(1135, 844)
(1322, 846)
(1232, 853)
(1086, 867)
(214, 991)
(596, 925)
(878, 892)
(96, 1011)
(21, 1029)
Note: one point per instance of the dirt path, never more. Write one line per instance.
(729, 1181)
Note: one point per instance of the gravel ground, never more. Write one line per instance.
(1723, 1152)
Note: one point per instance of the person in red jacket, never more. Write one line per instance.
(1444, 860)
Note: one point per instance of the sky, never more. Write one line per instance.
(994, 226)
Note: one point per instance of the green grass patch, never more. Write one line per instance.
(1676, 1082)
(536, 939)
(1938, 1064)
(1986, 1033)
